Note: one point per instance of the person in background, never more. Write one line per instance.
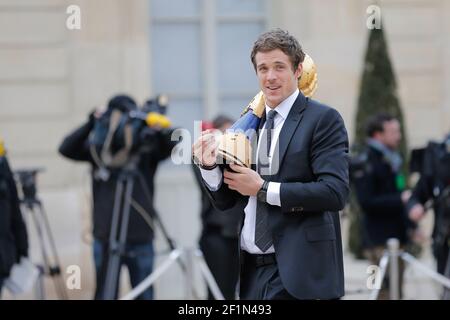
(434, 184)
(381, 193)
(220, 231)
(13, 232)
(138, 254)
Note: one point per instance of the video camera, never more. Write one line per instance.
(433, 161)
(124, 129)
(157, 105)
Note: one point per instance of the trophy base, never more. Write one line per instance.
(224, 158)
(234, 147)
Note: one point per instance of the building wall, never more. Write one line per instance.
(51, 77)
(418, 37)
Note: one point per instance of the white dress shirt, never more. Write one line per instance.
(213, 179)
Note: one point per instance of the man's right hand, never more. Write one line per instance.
(99, 111)
(204, 149)
(96, 113)
(416, 213)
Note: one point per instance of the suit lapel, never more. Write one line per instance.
(255, 145)
(290, 125)
(262, 121)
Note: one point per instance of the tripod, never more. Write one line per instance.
(118, 236)
(50, 261)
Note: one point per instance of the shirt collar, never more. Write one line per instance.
(285, 106)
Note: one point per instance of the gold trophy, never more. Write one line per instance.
(235, 144)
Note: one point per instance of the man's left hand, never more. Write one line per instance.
(244, 180)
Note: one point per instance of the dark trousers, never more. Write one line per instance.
(139, 261)
(222, 257)
(1, 285)
(260, 279)
(441, 255)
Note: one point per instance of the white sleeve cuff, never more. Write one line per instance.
(212, 178)
(273, 194)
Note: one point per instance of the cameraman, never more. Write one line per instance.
(434, 184)
(13, 233)
(139, 254)
(380, 192)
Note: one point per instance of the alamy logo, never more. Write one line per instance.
(374, 279)
(73, 281)
(374, 19)
(73, 21)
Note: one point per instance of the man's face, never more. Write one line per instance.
(276, 76)
(391, 135)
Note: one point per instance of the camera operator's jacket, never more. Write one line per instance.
(13, 233)
(435, 175)
(75, 146)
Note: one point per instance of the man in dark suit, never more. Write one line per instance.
(13, 232)
(290, 240)
(380, 189)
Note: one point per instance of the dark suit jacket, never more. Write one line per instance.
(13, 232)
(384, 213)
(313, 150)
(434, 173)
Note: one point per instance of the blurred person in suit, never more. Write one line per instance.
(138, 254)
(13, 232)
(220, 231)
(381, 192)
